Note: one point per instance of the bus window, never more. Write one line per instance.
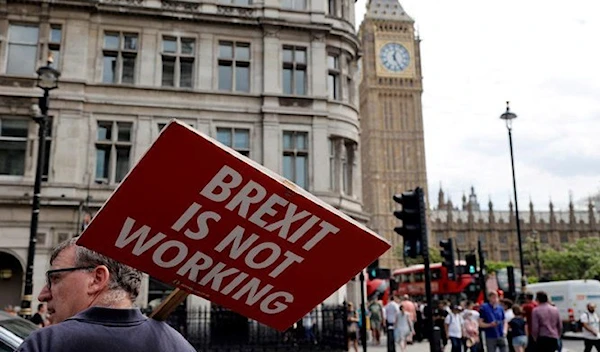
(419, 277)
(405, 278)
(435, 274)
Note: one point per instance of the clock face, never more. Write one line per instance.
(394, 57)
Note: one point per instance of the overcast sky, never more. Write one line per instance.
(543, 56)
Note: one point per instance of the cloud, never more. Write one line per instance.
(540, 55)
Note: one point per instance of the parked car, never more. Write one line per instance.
(13, 330)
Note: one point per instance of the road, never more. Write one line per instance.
(568, 346)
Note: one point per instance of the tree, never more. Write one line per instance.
(495, 266)
(577, 260)
(434, 256)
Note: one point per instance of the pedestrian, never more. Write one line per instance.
(91, 300)
(352, 323)
(39, 318)
(508, 316)
(528, 307)
(590, 328)
(391, 310)
(439, 318)
(518, 329)
(546, 324)
(376, 319)
(403, 328)
(471, 329)
(453, 325)
(308, 323)
(410, 309)
(492, 321)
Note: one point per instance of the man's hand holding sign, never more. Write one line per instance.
(215, 224)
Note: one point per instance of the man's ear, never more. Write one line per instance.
(100, 278)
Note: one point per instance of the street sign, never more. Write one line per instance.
(202, 217)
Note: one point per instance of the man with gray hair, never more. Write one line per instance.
(90, 298)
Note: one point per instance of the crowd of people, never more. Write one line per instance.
(499, 325)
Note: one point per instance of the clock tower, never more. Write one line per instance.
(392, 142)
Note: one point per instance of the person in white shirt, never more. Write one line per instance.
(591, 328)
(391, 311)
(454, 328)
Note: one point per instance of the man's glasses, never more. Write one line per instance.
(52, 273)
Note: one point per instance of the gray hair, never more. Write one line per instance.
(122, 277)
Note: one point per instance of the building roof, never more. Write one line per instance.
(504, 216)
(387, 10)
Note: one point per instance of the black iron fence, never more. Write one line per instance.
(218, 329)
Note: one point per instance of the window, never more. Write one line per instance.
(22, 50)
(177, 62)
(482, 238)
(113, 147)
(294, 4)
(503, 238)
(294, 70)
(13, 146)
(63, 237)
(504, 256)
(234, 66)
(48, 150)
(120, 53)
(349, 73)
(331, 7)
(544, 238)
(333, 79)
(295, 157)
(564, 237)
(460, 237)
(40, 239)
(54, 40)
(342, 164)
(236, 138)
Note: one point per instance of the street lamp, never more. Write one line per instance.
(47, 80)
(508, 117)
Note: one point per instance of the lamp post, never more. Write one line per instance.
(508, 117)
(47, 80)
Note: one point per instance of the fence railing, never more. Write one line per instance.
(218, 329)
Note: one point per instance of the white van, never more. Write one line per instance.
(570, 297)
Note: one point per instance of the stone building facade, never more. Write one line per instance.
(496, 229)
(274, 79)
(392, 139)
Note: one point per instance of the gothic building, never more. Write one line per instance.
(496, 229)
(392, 141)
(274, 79)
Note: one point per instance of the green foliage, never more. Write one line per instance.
(495, 266)
(434, 256)
(577, 260)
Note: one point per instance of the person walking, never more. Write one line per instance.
(91, 297)
(376, 319)
(403, 328)
(546, 324)
(518, 329)
(492, 321)
(590, 328)
(453, 325)
(528, 308)
(391, 313)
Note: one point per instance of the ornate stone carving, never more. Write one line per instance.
(126, 2)
(318, 37)
(235, 11)
(17, 82)
(271, 32)
(180, 5)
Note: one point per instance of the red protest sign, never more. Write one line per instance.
(212, 222)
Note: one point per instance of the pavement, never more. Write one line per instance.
(569, 346)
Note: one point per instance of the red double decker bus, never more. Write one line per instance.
(411, 281)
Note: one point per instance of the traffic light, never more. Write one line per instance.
(447, 253)
(372, 269)
(471, 260)
(413, 221)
